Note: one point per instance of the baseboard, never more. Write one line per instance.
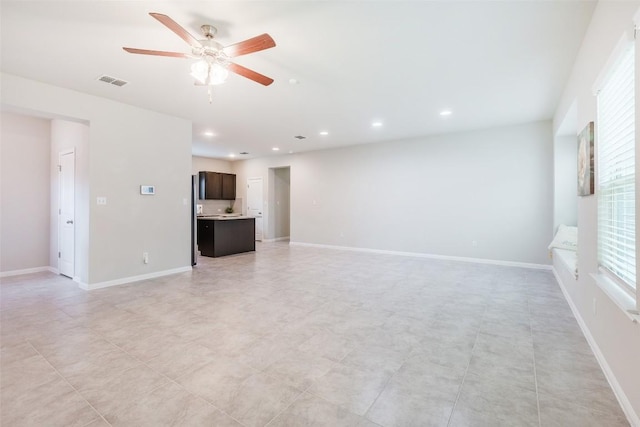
(624, 402)
(430, 256)
(28, 271)
(130, 279)
(277, 239)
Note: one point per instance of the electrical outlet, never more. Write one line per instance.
(145, 257)
(474, 243)
(101, 200)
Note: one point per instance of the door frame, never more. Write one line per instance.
(71, 151)
(273, 204)
(263, 212)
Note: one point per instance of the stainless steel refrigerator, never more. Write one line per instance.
(195, 182)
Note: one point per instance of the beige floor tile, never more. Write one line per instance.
(561, 413)
(179, 359)
(414, 403)
(300, 369)
(249, 333)
(328, 345)
(218, 381)
(52, 403)
(494, 402)
(312, 411)
(24, 376)
(71, 346)
(351, 388)
(97, 368)
(110, 395)
(376, 358)
(170, 405)
(499, 357)
(259, 399)
(266, 350)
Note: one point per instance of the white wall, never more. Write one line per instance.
(565, 172)
(128, 147)
(434, 195)
(66, 135)
(208, 164)
(24, 193)
(617, 338)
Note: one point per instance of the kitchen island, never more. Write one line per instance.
(226, 235)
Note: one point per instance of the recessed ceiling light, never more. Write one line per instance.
(376, 124)
(232, 155)
(208, 133)
(275, 149)
(446, 112)
(324, 133)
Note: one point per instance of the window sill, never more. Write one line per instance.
(622, 299)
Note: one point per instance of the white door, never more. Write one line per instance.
(254, 203)
(66, 217)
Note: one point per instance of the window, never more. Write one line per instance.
(616, 172)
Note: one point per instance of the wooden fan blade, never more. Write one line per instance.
(251, 45)
(250, 74)
(176, 28)
(156, 52)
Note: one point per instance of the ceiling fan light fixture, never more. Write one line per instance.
(209, 73)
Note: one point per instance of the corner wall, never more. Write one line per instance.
(614, 335)
(129, 147)
(24, 194)
(565, 172)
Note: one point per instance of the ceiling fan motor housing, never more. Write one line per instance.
(209, 31)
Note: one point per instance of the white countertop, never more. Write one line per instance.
(224, 217)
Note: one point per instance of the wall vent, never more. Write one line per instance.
(112, 80)
(300, 137)
(244, 152)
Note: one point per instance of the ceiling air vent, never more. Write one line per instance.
(112, 80)
(244, 152)
(300, 137)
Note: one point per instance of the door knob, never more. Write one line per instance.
(70, 221)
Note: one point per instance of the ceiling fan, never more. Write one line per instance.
(214, 60)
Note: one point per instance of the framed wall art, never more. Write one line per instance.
(585, 161)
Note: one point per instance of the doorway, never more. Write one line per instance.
(255, 205)
(279, 203)
(66, 213)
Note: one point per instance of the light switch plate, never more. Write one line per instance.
(148, 190)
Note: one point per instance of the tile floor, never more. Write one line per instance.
(296, 336)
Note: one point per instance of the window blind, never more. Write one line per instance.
(616, 171)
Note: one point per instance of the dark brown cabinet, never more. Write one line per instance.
(205, 236)
(228, 186)
(217, 186)
(220, 237)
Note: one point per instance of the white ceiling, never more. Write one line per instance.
(400, 62)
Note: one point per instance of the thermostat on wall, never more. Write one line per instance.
(147, 189)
